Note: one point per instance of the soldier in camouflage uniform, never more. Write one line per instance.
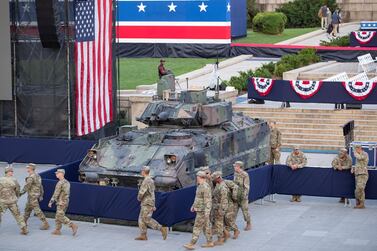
(230, 217)
(9, 194)
(61, 198)
(146, 197)
(296, 160)
(241, 178)
(202, 207)
(275, 143)
(219, 206)
(342, 162)
(361, 175)
(34, 189)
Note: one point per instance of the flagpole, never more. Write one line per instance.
(67, 51)
(118, 63)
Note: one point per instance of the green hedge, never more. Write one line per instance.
(339, 41)
(269, 22)
(275, 70)
(304, 13)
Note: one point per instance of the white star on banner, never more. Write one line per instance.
(228, 7)
(142, 7)
(203, 7)
(172, 7)
(26, 8)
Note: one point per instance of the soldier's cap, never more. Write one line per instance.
(32, 166)
(216, 175)
(145, 168)
(240, 163)
(8, 169)
(201, 174)
(60, 171)
(204, 169)
(343, 150)
(358, 146)
(296, 148)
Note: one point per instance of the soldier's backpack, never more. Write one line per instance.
(234, 190)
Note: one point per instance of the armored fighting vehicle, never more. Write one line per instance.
(183, 134)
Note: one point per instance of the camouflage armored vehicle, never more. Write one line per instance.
(182, 136)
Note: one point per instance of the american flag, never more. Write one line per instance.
(93, 61)
(174, 21)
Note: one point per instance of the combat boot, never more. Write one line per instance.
(189, 246)
(226, 235)
(24, 231)
(56, 232)
(236, 234)
(45, 226)
(298, 198)
(164, 232)
(248, 226)
(141, 237)
(360, 206)
(209, 244)
(219, 242)
(74, 228)
(293, 199)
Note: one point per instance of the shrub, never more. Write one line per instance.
(240, 82)
(339, 41)
(304, 13)
(265, 71)
(252, 11)
(269, 22)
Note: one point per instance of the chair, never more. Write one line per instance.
(366, 63)
(362, 77)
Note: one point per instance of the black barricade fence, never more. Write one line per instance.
(303, 91)
(174, 207)
(43, 151)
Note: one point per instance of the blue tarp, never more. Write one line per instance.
(43, 151)
(174, 207)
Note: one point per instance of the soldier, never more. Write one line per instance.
(208, 176)
(161, 69)
(296, 160)
(361, 175)
(230, 215)
(219, 206)
(9, 194)
(241, 178)
(34, 189)
(202, 207)
(342, 162)
(275, 143)
(146, 197)
(61, 198)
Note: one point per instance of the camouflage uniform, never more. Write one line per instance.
(361, 175)
(275, 143)
(202, 206)
(34, 189)
(147, 198)
(230, 217)
(61, 197)
(9, 194)
(300, 160)
(342, 163)
(243, 182)
(220, 206)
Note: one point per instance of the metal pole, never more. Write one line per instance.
(117, 96)
(14, 62)
(67, 51)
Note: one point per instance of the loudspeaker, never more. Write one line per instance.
(47, 23)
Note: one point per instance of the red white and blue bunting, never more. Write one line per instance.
(359, 90)
(364, 37)
(262, 85)
(305, 88)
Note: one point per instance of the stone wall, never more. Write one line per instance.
(352, 10)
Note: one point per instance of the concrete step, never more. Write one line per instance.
(310, 141)
(335, 131)
(317, 121)
(247, 109)
(284, 113)
(314, 147)
(294, 135)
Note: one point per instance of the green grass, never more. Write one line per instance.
(143, 71)
(261, 38)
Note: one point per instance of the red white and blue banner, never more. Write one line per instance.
(363, 38)
(169, 21)
(308, 91)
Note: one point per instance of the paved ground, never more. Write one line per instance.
(314, 38)
(315, 224)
